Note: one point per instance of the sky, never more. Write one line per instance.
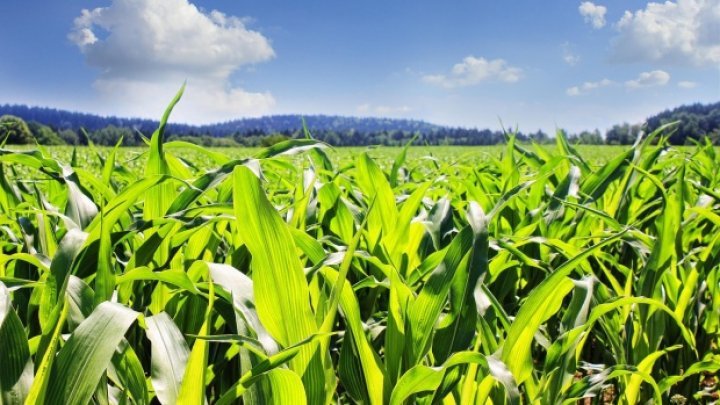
(523, 64)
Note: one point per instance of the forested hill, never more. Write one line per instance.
(52, 126)
(695, 120)
(61, 119)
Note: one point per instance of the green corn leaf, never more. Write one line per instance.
(60, 269)
(253, 375)
(126, 371)
(423, 379)
(82, 361)
(382, 214)
(285, 387)
(424, 312)
(275, 267)
(544, 301)
(105, 275)
(632, 389)
(399, 161)
(170, 353)
(80, 208)
(16, 373)
(39, 387)
(370, 365)
(159, 198)
(192, 389)
(172, 277)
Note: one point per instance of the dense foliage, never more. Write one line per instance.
(14, 130)
(695, 122)
(534, 276)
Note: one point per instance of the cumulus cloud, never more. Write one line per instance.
(472, 71)
(383, 109)
(685, 84)
(683, 32)
(145, 49)
(649, 79)
(593, 14)
(588, 87)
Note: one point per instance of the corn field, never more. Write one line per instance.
(534, 276)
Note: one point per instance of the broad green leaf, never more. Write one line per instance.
(16, 372)
(60, 269)
(169, 355)
(158, 198)
(127, 373)
(39, 387)
(276, 267)
(83, 359)
(80, 208)
(370, 363)
(544, 301)
(382, 214)
(261, 369)
(192, 389)
(632, 389)
(285, 387)
(175, 278)
(424, 312)
(423, 379)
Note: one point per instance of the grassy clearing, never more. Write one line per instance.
(176, 275)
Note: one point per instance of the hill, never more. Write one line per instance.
(336, 130)
(696, 121)
(62, 119)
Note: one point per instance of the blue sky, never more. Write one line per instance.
(571, 64)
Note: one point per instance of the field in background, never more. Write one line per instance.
(131, 156)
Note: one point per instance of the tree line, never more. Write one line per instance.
(28, 125)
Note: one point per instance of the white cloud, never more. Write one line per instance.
(675, 32)
(145, 49)
(685, 84)
(472, 71)
(593, 14)
(587, 87)
(383, 109)
(649, 79)
(569, 56)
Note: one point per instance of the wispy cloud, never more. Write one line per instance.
(685, 84)
(588, 87)
(649, 79)
(594, 14)
(472, 71)
(145, 49)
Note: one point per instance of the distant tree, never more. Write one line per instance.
(225, 142)
(332, 138)
(271, 140)
(15, 130)
(694, 122)
(540, 137)
(69, 136)
(623, 134)
(44, 135)
(110, 135)
(588, 138)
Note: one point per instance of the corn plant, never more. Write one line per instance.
(533, 276)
